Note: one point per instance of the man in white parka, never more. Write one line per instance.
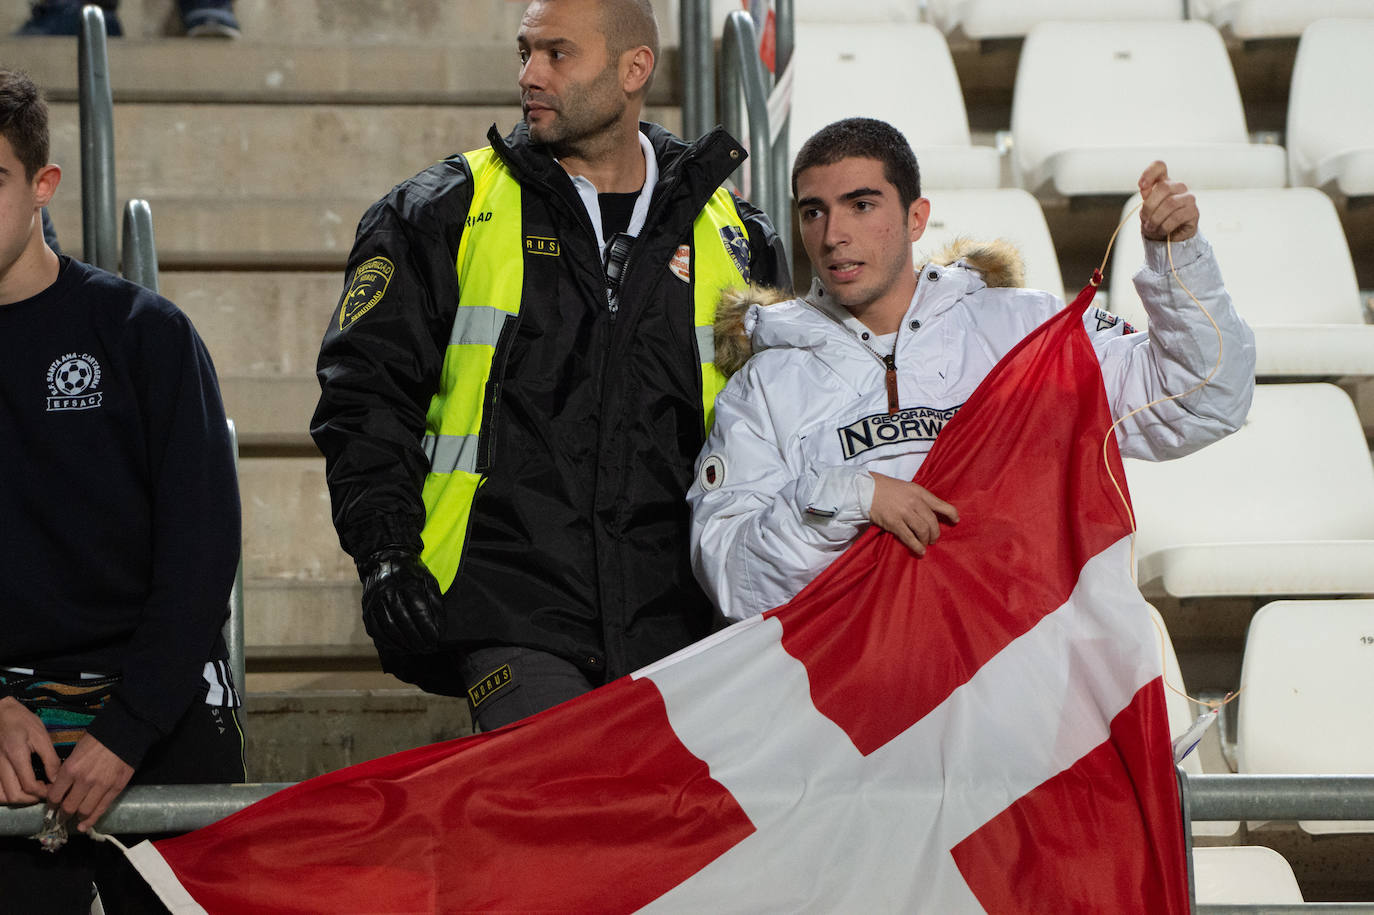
(820, 430)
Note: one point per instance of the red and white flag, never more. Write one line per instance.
(982, 729)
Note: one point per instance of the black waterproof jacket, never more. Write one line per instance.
(577, 541)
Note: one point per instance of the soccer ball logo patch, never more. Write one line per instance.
(74, 375)
(72, 382)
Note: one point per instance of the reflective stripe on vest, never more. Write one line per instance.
(487, 297)
(490, 294)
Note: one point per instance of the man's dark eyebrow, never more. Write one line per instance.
(4, 171)
(541, 44)
(851, 195)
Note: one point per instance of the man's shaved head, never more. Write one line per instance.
(629, 24)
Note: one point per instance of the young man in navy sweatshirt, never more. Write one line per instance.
(119, 539)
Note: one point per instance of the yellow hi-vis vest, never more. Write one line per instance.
(490, 279)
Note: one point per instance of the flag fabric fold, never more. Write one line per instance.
(981, 729)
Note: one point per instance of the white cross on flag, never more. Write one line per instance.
(978, 730)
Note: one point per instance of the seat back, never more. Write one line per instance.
(1254, 233)
(1331, 96)
(1010, 214)
(1250, 20)
(1243, 874)
(1101, 84)
(980, 19)
(1306, 677)
(884, 11)
(872, 69)
(1299, 470)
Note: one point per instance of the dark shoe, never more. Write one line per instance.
(56, 17)
(209, 19)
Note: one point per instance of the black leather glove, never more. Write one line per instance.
(402, 606)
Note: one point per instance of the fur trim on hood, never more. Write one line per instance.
(998, 262)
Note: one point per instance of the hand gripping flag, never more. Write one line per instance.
(978, 730)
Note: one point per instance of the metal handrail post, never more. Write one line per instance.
(697, 50)
(138, 245)
(742, 70)
(1186, 807)
(96, 107)
(781, 154)
(233, 626)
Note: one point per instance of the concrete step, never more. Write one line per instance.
(305, 624)
(266, 185)
(274, 72)
(442, 23)
(437, 22)
(263, 331)
(292, 736)
(288, 536)
(301, 591)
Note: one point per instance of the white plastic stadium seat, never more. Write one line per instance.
(1248, 20)
(888, 11)
(1283, 507)
(980, 19)
(898, 72)
(1008, 213)
(1308, 323)
(1243, 874)
(1306, 679)
(1331, 107)
(1095, 103)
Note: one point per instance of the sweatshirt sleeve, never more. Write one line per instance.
(196, 533)
(381, 357)
(1180, 350)
(762, 529)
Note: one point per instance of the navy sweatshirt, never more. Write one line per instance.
(119, 508)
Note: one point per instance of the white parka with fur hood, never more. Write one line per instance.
(782, 485)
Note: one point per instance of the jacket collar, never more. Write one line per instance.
(748, 321)
(703, 164)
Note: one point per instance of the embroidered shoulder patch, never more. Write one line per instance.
(712, 472)
(681, 264)
(737, 246)
(366, 290)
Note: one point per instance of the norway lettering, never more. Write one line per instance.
(917, 424)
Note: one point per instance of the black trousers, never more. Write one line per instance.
(506, 684)
(205, 748)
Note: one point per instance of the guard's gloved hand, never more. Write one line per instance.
(402, 606)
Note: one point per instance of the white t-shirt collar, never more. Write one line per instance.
(587, 192)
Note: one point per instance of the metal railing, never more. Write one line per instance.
(742, 73)
(181, 808)
(149, 809)
(139, 246)
(697, 51)
(1273, 797)
(96, 108)
(233, 626)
